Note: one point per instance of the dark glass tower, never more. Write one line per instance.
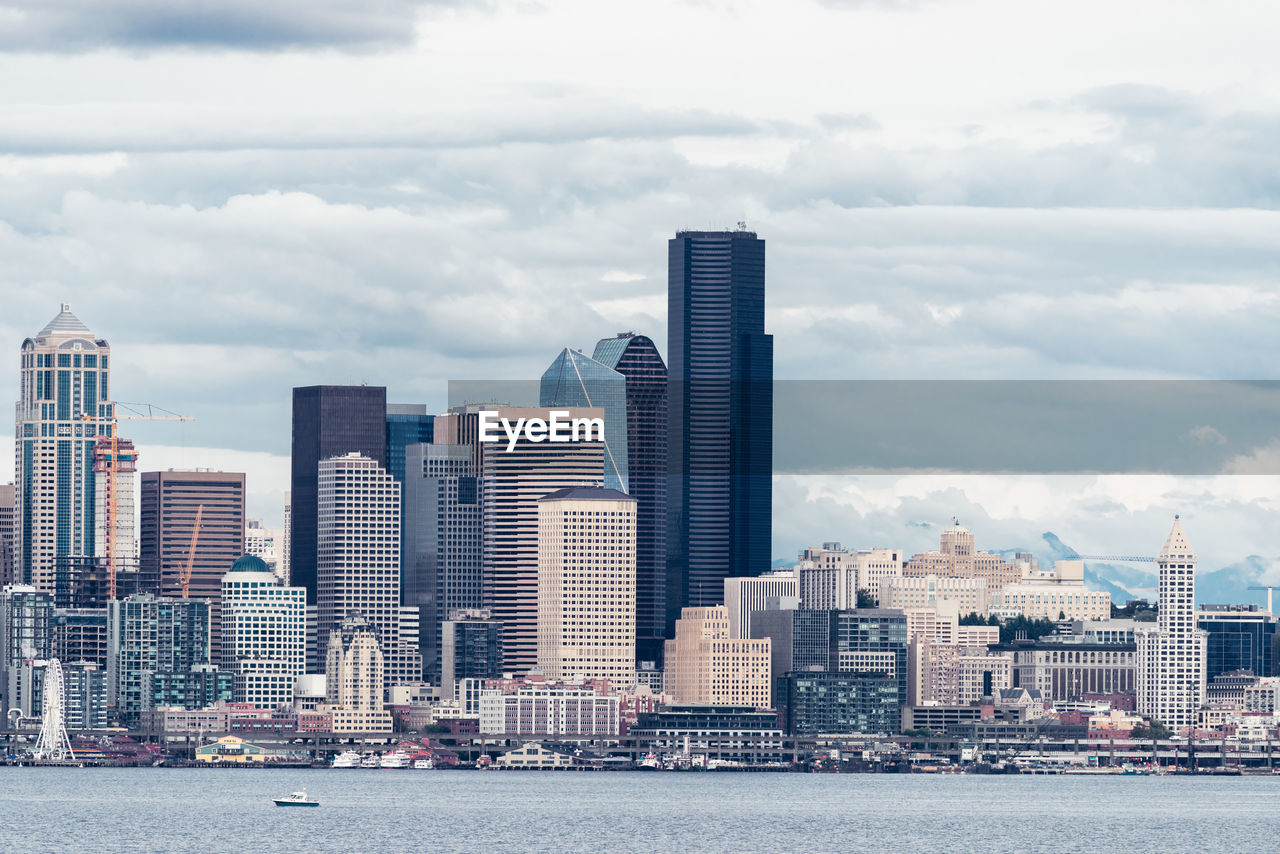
(638, 360)
(407, 424)
(719, 416)
(328, 421)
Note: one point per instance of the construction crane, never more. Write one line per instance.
(185, 577)
(1114, 558)
(107, 462)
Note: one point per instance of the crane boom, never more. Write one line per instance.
(1116, 558)
(191, 553)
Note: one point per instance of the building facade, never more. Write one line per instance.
(587, 585)
(1171, 657)
(172, 503)
(719, 415)
(146, 635)
(744, 597)
(577, 380)
(8, 542)
(548, 710)
(64, 405)
(969, 595)
(471, 649)
(328, 421)
(512, 482)
(1240, 637)
(705, 665)
(957, 557)
(638, 360)
(819, 703)
(264, 634)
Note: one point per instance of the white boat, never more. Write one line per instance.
(423, 764)
(370, 761)
(346, 759)
(296, 799)
(396, 759)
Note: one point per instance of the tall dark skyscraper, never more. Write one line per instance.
(328, 421)
(638, 360)
(407, 424)
(719, 415)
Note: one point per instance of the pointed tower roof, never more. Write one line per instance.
(1176, 544)
(65, 324)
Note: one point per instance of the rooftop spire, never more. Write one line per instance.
(1176, 544)
(65, 323)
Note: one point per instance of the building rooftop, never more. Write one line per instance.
(249, 563)
(65, 323)
(588, 493)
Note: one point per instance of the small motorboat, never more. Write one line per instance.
(296, 799)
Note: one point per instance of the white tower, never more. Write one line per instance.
(53, 743)
(1171, 657)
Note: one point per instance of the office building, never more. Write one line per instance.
(328, 421)
(830, 577)
(115, 465)
(1065, 672)
(957, 557)
(1240, 637)
(870, 640)
(64, 405)
(969, 595)
(8, 518)
(443, 541)
(267, 544)
(358, 559)
(355, 677)
(705, 665)
(80, 634)
(819, 703)
(1171, 656)
(26, 618)
(191, 530)
(147, 634)
(550, 710)
(638, 360)
(84, 693)
(719, 415)
(587, 585)
(744, 597)
(264, 634)
(799, 640)
(471, 649)
(576, 380)
(1057, 595)
(407, 424)
(512, 481)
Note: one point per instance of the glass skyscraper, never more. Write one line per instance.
(719, 415)
(64, 405)
(1241, 637)
(407, 424)
(637, 359)
(328, 421)
(577, 380)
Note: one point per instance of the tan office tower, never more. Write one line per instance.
(7, 545)
(705, 665)
(64, 405)
(513, 478)
(171, 501)
(587, 585)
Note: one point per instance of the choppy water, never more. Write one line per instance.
(208, 810)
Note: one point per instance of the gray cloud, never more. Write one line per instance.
(67, 26)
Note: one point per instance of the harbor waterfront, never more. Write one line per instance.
(191, 810)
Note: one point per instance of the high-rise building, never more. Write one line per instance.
(443, 542)
(704, 665)
(328, 421)
(1241, 637)
(115, 465)
(149, 634)
(638, 360)
(8, 560)
(355, 677)
(746, 596)
(957, 557)
(268, 544)
(64, 405)
(830, 577)
(576, 380)
(264, 634)
(871, 640)
(471, 648)
(587, 585)
(26, 624)
(719, 415)
(171, 503)
(407, 424)
(80, 634)
(358, 559)
(1171, 657)
(286, 548)
(512, 481)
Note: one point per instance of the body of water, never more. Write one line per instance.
(213, 810)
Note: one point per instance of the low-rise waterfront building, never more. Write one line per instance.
(549, 710)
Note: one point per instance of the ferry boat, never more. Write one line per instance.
(346, 759)
(370, 761)
(423, 764)
(396, 759)
(296, 799)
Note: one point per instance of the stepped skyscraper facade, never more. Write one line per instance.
(64, 405)
(1171, 657)
(719, 415)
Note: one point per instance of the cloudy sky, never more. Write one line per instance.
(245, 196)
